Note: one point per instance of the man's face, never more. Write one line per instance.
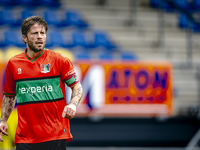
(36, 38)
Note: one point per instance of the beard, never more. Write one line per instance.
(34, 48)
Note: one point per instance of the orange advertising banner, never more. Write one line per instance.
(126, 89)
(122, 88)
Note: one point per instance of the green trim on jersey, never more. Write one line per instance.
(8, 94)
(35, 57)
(38, 90)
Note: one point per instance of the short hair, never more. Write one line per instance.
(30, 21)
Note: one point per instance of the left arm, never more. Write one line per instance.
(77, 93)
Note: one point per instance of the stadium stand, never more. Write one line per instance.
(7, 18)
(82, 56)
(57, 39)
(25, 14)
(74, 18)
(196, 4)
(78, 38)
(128, 56)
(106, 56)
(142, 39)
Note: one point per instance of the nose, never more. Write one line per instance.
(39, 35)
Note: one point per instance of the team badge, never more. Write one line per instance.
(45, 68)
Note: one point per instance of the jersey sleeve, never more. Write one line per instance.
(68, 74)
(9, 86)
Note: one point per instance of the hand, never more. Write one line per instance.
(69, 111)
(3, 129)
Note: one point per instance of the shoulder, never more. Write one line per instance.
(17, 58)
(58, 55)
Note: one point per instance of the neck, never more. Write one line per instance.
(31, 53)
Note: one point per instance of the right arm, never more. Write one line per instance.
(7, 107)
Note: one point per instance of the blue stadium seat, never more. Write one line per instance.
(56, 39)
(82, 56)
(128, 56)
(31, 4)
(74, 18)
(3, 42)
(50, 3)
(101, 38)
(155, 3)
(196, 27)
(185, 4)
(79, 39)
(26, 13)
(53, 17)
(196, 4)
(5, 2)
(8, 4)
(49, 44)
(106, 56)
(160, 4)
(7, 18)
(14, 38)
(183, 21)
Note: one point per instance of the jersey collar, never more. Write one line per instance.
(34, 58)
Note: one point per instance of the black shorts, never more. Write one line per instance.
(50, 145)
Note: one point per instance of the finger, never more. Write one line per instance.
(4, 132)
(71, 115)
(1, 138)
(68, 113)
(64, 112)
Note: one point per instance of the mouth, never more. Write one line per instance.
(39, 43)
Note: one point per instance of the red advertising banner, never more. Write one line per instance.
(126, 89)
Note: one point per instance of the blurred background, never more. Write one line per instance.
(154, 44)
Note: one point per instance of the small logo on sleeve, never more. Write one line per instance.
(45, 68)
(19, 71)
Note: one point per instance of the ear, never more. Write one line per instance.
(25, 38)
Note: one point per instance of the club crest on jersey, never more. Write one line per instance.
(45, 68)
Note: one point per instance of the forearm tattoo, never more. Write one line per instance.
(7, 107)
(77, 94)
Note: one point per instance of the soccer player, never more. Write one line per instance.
(37, 78)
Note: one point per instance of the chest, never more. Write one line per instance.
(37, 69)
